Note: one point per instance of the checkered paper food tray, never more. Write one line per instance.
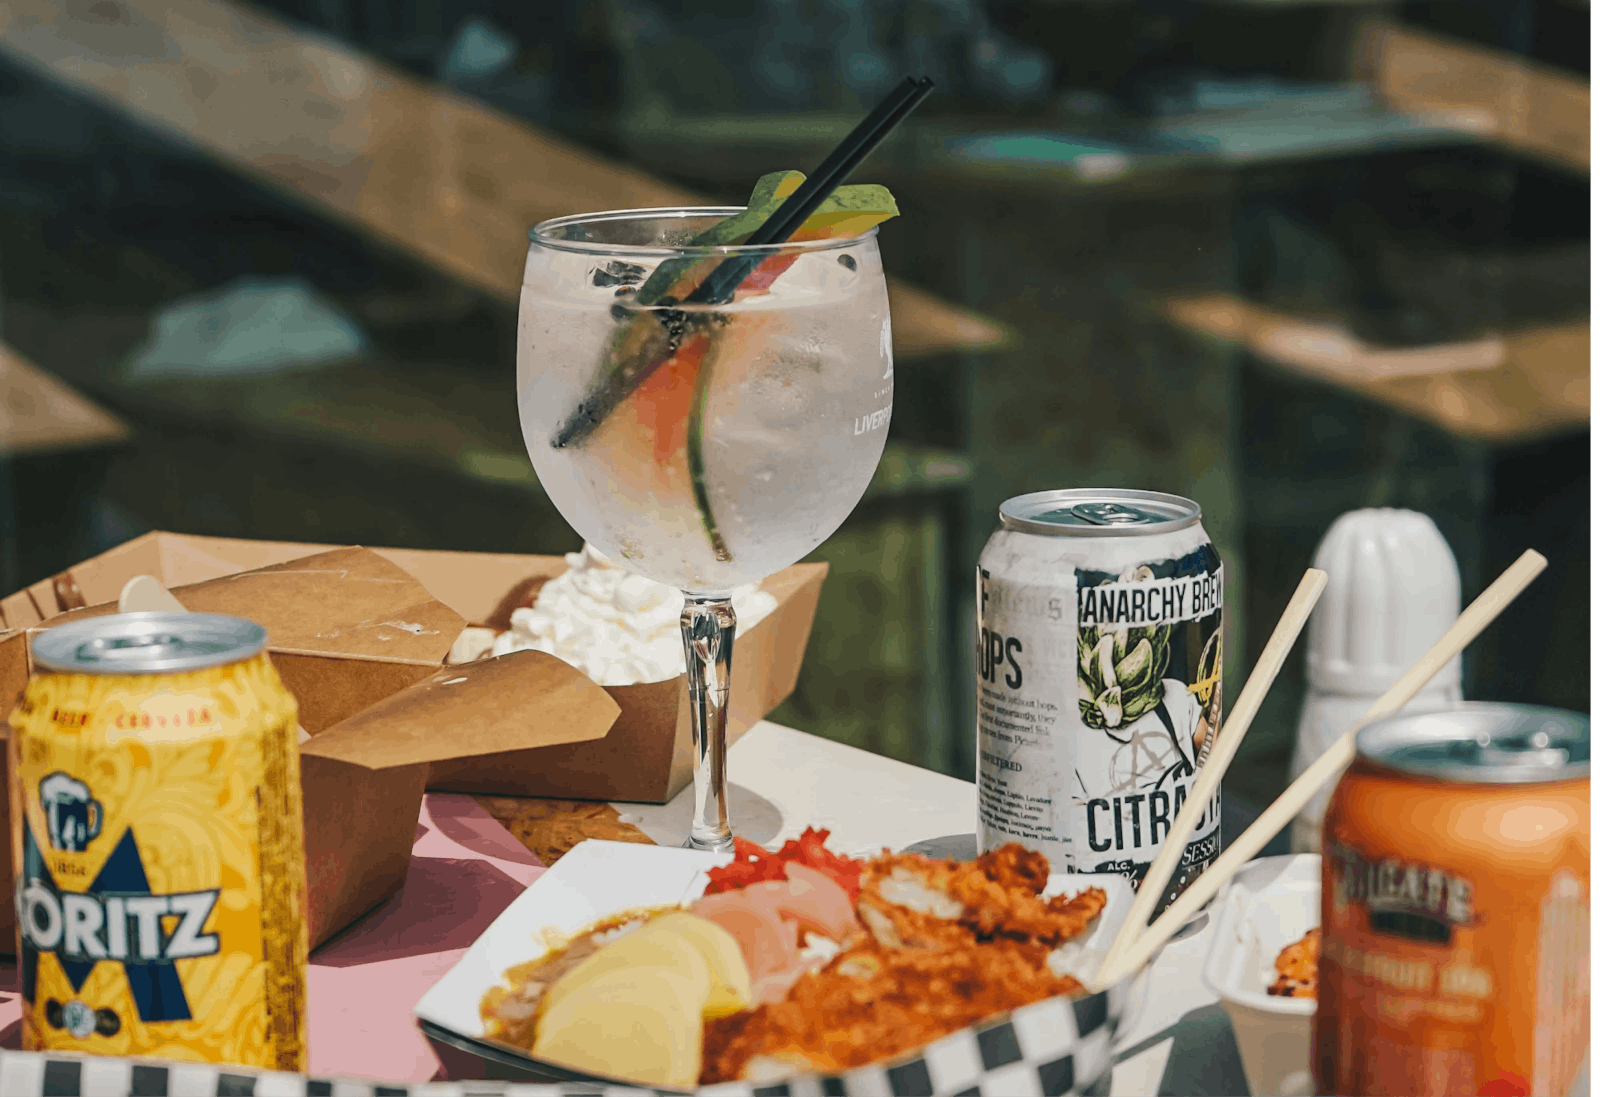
(1058, 1046)
(1047, 1049)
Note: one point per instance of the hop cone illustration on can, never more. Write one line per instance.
(1120, 669)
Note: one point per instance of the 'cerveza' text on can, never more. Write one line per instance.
(1099, 668)
(157, 834)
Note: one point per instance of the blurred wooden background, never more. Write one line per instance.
(1287, 257)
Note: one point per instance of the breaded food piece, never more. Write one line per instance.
(909, 901)
(872, 1003)
(1297, 967)
(950, 944)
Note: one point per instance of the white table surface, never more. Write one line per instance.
(782, 781)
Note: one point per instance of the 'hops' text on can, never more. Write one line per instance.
(1099, 679)
(158, 843)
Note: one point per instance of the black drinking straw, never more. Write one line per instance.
(718, 287)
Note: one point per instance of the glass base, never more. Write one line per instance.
(715, 843)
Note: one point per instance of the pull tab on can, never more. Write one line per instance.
(1112, 514)
(130, 647)
(1099, 512)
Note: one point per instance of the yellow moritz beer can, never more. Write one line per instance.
(155, 806)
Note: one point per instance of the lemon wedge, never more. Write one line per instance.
(640, 1024)
(646, 948)
(730, 975)
(635, 1009)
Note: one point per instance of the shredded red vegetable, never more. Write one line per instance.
(751, 864)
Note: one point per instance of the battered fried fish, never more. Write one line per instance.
(951, 944)
(873, 1003)
(1297, 967)
(908, 901)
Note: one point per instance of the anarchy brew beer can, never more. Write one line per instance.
(156, 830)
(1099, 679)
(1455, 907)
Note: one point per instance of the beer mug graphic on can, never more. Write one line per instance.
(72, 815)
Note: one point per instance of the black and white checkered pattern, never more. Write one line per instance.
(1049, 1049)
(43, 1074)
(1052, 1048)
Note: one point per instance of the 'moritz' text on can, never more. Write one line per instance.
(157, 834)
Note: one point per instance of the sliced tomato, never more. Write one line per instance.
(752, 864)
(809, 849)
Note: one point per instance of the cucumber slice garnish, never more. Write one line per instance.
(695, 444)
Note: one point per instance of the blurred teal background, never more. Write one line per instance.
(1241, 251)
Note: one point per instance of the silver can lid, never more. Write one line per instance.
(1481, 743)
(1098, 512)
(148, 643)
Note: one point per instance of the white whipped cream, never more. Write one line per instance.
(617, 627)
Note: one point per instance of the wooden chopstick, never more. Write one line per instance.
(1473, 620)
(1209, 778)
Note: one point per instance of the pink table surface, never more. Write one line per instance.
(465, 869)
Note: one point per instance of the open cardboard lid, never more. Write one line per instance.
(348, 603)
(354, 636)
(520, 701)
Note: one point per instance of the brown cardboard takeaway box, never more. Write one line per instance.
(359, 637)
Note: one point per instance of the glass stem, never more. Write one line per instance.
(708, 651)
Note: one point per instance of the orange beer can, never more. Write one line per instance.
(1455, 907)
(158, 839)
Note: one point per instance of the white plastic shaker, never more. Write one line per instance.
(1393, 589)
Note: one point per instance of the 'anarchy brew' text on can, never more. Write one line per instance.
(1455, 907)
(1099, 679)
(156, 830)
